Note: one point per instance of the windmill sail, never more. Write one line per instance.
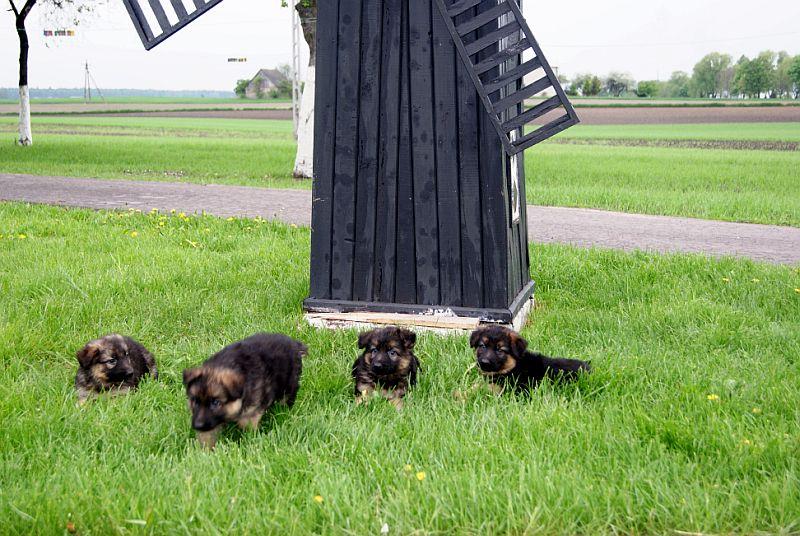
(491, 37)
(156, 20)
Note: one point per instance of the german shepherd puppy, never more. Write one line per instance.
(388, 363)
(112, 363)
(241, 381)
(502, 357)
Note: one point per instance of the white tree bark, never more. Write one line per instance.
(25, 136)
(304, 162)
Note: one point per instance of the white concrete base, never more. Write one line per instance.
(438, 322)
(25, 136)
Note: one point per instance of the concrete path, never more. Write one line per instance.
(580, 227)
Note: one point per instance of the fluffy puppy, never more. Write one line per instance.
(388, 363)
(241, 381)
(502, 357)
(112, 363)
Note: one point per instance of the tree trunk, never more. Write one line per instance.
(25, 136)
(304, 161)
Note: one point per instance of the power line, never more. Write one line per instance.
(674, 44)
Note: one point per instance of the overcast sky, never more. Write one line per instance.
(648, 39)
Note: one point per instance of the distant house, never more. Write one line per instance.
(263, 82)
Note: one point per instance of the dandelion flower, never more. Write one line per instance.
(230, 219)
(134, 234)
(319, 499)
(421, 476)
(756, 280)
(797, 290)
(713, 397)
(756, 411)
(22, 236)
(726, 279)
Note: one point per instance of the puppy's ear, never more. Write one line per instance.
(475, 338)
(518, 344)
(364, 338)
(87, 354)
(233, 383)
(408, 337)
(190, 375)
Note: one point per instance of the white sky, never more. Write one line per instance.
(648, 39)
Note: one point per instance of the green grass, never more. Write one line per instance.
(149, 100)
(637, 447)
(756, 186)
(788, 132)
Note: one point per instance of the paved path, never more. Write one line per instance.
(581, 227)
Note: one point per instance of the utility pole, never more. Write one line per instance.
(88, 82)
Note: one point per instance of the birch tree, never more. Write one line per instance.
(73, 9)
(304, 160)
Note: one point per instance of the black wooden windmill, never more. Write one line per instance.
(419, 181)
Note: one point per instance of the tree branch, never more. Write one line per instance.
(13, 8)
(27, 8)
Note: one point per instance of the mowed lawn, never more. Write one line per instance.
(613, 173)
(689, 421)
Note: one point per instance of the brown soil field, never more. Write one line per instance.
(740, 145)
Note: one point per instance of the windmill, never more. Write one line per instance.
(419, 181)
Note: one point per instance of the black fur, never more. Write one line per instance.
(241, 381)
(387, 363)
(502, 356)
(113, 362)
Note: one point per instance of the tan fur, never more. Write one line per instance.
(208, 439)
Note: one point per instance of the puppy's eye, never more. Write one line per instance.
(374, 351)
(111, 362)
(482, 346)
(392, 353)
(215, 403)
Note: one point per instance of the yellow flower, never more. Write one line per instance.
(797, 290)
(756, 411)
(22, 236)
(293, 226)
(726, 279)
(230, 219)
(134, 234)
(407, 468)
(318, 499)
(182, 215)
(713, 397)
(421, 476)
(746, 441)
(161, 224)
(756, 280)
(172, 211)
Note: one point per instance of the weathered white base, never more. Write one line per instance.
(304, 161)
(441, 323)
(25, 136)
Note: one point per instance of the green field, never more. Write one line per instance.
(761, 186)
(148, 100)
(688, 423)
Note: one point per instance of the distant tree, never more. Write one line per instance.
(591, 86)
(72, 9)
(618, 83)
(782, 80)
(241, 88)
(707, 77)
(258, 81)
(794, 75)
(678, 85)
(739, 76)
(647, 88)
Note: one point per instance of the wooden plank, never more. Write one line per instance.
(521, 94)
(529, 115)
(161, 16)
(386, 211)
(139, 20)
(512, 75)
(493, 203)
(502, 56)
(469, 109)
(180, 11)
(447, 195)
(199, 3)
(369, 134)
(346, 148)
(484, 18)
(492, 38)
(542, 133)
(405, 320)
(406, 266)
(325, 123)
(423, 136)
(457, 8)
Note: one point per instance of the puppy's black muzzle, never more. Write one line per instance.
(203, 426)
(381, 368)
(489, 362)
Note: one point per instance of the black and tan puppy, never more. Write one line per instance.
(112, 363)
(388, 363)
(503, 357)
(241, 381)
